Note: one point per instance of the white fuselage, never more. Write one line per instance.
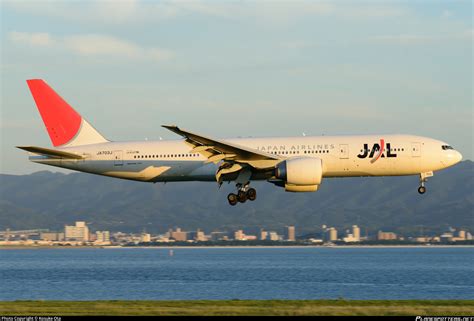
(342, 156)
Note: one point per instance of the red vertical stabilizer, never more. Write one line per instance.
(61, 120)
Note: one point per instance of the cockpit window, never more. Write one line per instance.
(446, 147)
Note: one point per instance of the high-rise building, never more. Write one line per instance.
(356, 233)
(102, 237)
(263, 234)
(290, 233)
(79, 232)
(331, 234)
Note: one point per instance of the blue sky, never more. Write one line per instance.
(240, 68)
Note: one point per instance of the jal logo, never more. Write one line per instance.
(377, 148)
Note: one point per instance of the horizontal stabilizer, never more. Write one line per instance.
(50, 152)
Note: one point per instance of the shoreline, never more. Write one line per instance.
(27, 247)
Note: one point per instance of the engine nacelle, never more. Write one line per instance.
(300, 174)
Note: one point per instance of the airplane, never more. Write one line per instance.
(297, 164)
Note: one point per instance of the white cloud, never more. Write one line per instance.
(91, 45)
(371, 11)
(97, 11)
(447, 14)
(139, 11)
(404, 39)
(416, 39)
(32, 39)
(295, 45)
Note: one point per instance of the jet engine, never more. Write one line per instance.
(300, 174)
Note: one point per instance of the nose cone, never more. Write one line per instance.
(453, 157)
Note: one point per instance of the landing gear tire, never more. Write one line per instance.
(232, 198)
(421, 190)
(252, 194)
(242, 196)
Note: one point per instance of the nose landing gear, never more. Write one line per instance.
(422, 189)
(423, 179)
(244, 193)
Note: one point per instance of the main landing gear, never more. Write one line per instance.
(244, 193)
(423, 179)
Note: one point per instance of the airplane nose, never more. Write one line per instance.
(452, 157)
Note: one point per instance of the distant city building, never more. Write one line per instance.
(145, 238)
(290, 233)
(350, 238)
(386, 236)
(92, 237)
(461, 235)
(356, 233)
(197, 236)
(52, 236)
(263, 234)
(423, 239)
(102, 237)
(219, 236)
(179, 235)
(239, 235)
(273, 236)
(331, 234)
(79, 232)
(354, 236)
(446, 237)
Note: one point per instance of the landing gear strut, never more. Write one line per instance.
(244, 193)
(423, 179)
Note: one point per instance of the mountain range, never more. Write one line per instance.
(51, 200)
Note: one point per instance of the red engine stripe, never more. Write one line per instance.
(61, 120)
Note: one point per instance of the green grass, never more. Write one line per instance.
(237, 307)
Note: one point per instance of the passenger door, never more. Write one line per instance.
(415, 149)
(343, 151)
(118, 158)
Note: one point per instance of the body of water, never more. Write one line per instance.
(237, 273)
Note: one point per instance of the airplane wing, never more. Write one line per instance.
(225, 150)
(50, 152)
(235, 157)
